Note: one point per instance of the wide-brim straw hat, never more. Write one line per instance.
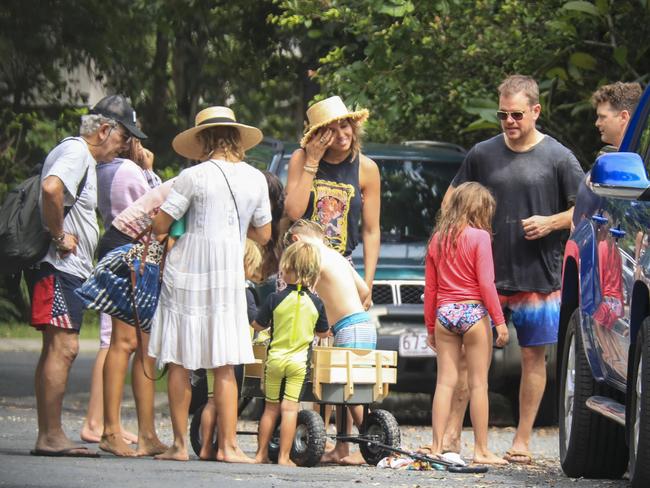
(187, 143)
(330, 110)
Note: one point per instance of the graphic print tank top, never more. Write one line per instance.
(335, 203)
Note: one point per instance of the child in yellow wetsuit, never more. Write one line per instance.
(293, 315)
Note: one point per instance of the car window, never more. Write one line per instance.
(643, 148)
(411, 194)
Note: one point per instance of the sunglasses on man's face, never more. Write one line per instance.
(516, 115)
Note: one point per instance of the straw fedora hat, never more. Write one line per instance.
(187, 143)
(331, 109)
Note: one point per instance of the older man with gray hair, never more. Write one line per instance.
(68, 202)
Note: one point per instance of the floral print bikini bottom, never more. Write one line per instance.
(459, 317)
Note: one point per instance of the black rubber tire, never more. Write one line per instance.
(195, 431)
(639, 449)
(382, 424)
(591, 446)
(309, 443)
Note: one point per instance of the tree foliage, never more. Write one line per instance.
(429, 70)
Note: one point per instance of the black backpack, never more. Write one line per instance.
(23, 238)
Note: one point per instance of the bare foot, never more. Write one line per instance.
(234, 456)
(150, 447)
(114, 444)
(60, 444)
(129, 437)
(335, 455)
(329, 446)
(262, 459)
(286, 462)
(88, 434)
(488, 458)
(354, 459)
(173, 454)
(208, 454)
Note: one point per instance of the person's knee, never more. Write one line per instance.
(533, 359)
(64, 344)
(289, 407)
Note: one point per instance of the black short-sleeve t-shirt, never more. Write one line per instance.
(541, 181)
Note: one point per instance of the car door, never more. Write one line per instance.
(621, 226)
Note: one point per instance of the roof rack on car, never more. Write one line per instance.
(425, 143)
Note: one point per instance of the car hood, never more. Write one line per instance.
(397, 261)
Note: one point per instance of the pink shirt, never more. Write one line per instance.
(137, 217)
(467, 275)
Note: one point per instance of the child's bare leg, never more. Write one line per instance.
(355, 414)
(287, 431)
(478, 344)
(459, 401)
(208, 422)
(179, 393)
(448, 346)
(265, 430)
(342, 449)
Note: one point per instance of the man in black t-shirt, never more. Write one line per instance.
(534, 179)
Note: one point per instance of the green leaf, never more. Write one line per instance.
(620, 55)
(581, 6)
(480, 125)
(397, 8)
(583, 60)
(557, 72)
(602, 6)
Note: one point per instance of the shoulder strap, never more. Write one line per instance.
(231, 194)
(82, 183)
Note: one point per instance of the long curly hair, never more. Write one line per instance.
(471, 204)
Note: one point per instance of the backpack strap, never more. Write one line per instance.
(82, 183)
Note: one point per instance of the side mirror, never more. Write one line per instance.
(620, 175)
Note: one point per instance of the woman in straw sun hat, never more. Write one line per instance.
(331, 182)
(201, 319)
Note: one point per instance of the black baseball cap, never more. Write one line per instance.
(117, 108)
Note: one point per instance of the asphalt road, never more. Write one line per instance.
(19, 469)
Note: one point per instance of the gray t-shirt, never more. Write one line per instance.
(68, 161)
(541, 181)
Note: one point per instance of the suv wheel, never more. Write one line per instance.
(591, 445)
(638, 422)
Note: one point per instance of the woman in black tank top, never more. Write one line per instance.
(332, 183)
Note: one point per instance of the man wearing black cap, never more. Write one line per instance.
(68, 203)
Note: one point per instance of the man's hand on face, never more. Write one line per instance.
(537, 226)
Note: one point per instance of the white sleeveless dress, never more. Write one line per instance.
(201, 320)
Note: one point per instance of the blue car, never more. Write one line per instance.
(604, 339)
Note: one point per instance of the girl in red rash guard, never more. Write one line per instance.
(459, 294)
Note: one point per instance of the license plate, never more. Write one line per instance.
(414, 344)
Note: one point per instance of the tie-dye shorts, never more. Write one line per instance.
(534, 315)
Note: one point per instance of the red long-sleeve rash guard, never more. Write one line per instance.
(468, 274)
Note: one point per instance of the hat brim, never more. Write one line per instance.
(187, 143)
(359, 116)
(133, 129)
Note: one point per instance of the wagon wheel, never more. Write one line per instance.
(195, 431)
(381, 425)
(309, 442)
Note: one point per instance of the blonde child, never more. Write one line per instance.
(252, 266)
(458, 295)
(293, 315)
(343, 293)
